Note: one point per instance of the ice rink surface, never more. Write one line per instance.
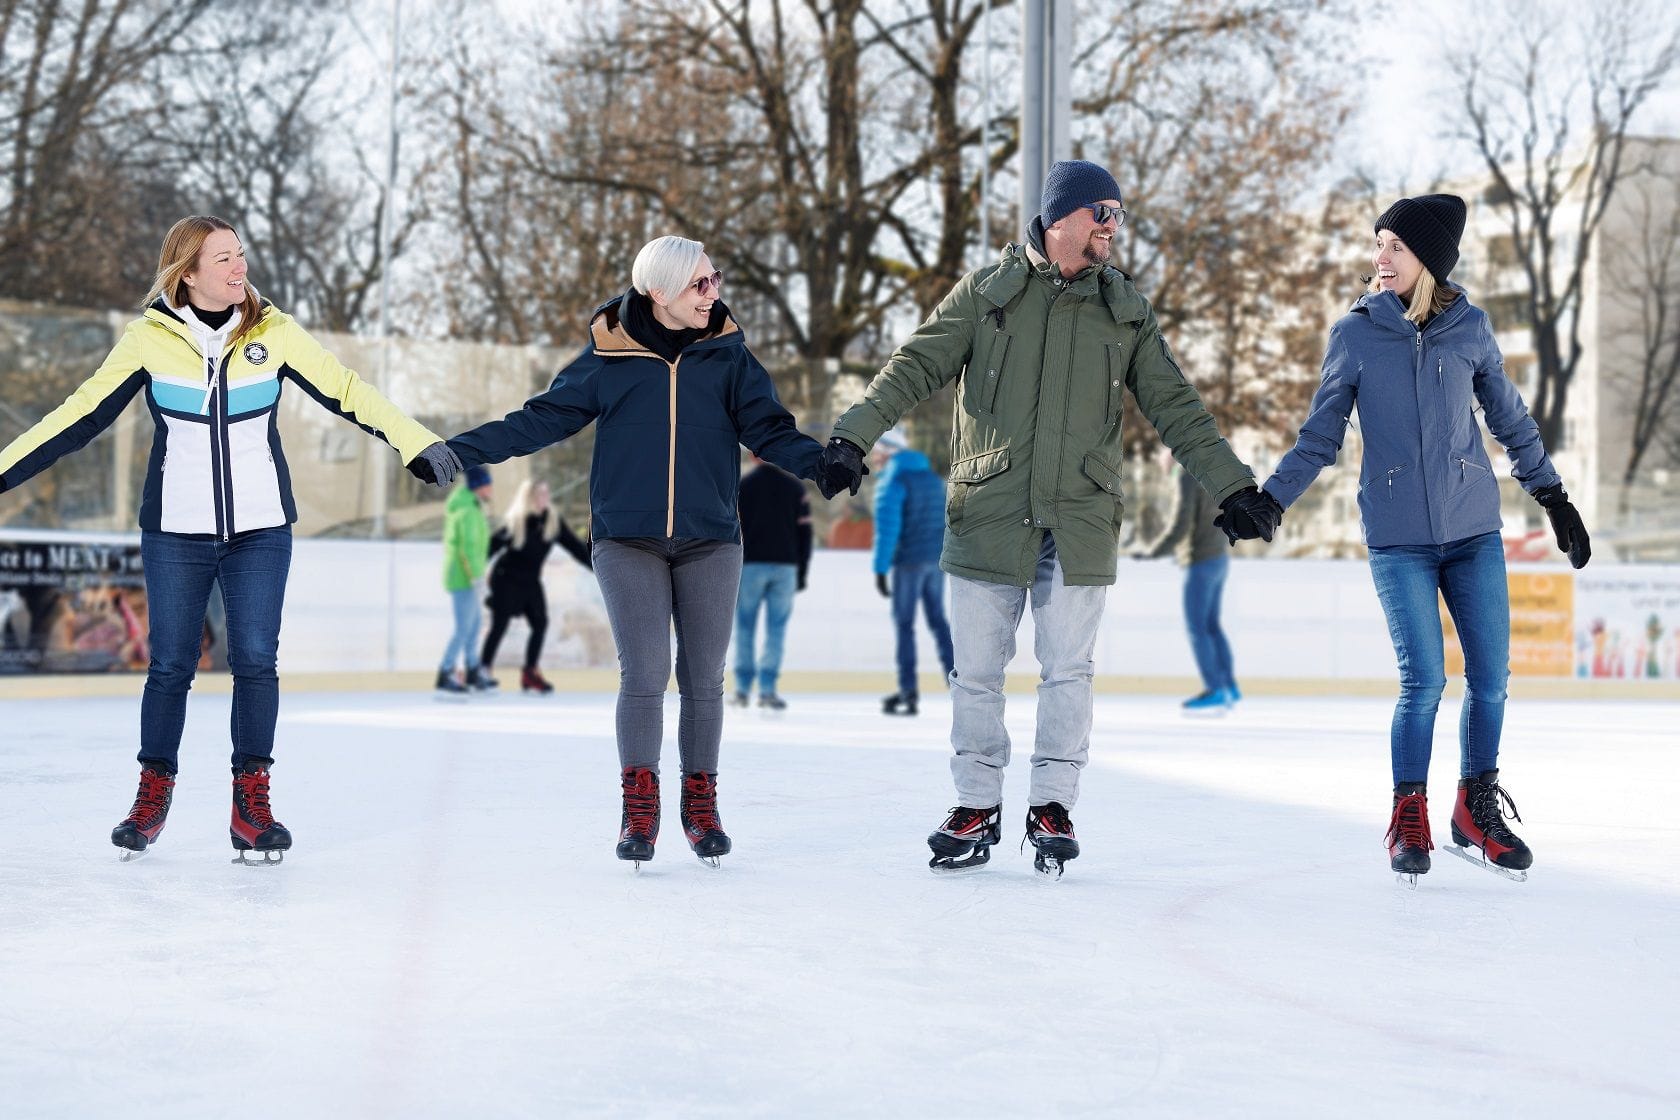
(452, 937)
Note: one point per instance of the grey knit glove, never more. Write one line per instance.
(437, 465)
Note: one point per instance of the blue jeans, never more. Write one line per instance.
(773, 586)
(924, 584)
(1204, 586)
(251, 569)
(1470, 576)
(464, 641)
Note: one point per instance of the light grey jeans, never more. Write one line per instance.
(984, 617)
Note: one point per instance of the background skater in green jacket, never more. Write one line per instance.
(1045, 342)
(466, 556)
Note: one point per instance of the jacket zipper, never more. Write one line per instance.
(671, 461)
(219, 458)
(1391, 475)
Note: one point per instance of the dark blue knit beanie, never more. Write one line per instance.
(478, 477)
(1073, 183)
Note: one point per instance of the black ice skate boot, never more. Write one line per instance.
(480, 680)
(1051, 833)
(640, 823)
(531, 680)
(965, 840)
(151, 809)
(256, 835)
(1478, 824)
(1408, 833)
(449, 686)
(899, 704)
(700, 821)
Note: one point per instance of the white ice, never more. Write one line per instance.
(452, 937)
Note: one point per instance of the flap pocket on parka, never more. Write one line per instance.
(1102, 474)
(978, 468)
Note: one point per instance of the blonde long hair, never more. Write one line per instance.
(1428, 299)
(523, 506)
(179, 256)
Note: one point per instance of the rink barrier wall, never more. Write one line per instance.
(373, 615)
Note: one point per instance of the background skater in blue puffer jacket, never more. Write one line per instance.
(909, 536)
(1416, 358)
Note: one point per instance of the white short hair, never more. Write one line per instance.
(666, 263)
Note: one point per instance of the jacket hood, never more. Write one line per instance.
(608, 336)
(1000, 284)
(1386, 311)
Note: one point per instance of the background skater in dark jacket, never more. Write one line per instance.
(776, 552)
(1199, 546)
(518, 550)
(909, 535)
(674, 393)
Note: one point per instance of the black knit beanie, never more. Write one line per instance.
(1430, 225)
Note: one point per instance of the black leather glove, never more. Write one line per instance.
(840, 468)
(1250, 514)
(881, 585)
(1566, 525)
(437, 465)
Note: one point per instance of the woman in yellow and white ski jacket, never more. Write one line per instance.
(211, 357)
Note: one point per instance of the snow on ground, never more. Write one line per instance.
(452, 936)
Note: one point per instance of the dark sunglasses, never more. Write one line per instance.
(713, 283)
(1103, 212)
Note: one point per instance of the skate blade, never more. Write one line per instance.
(254, 858)
(1407, 879)
(129, 855)
(1481, 861)
(953, 865)
(1048, 868)
(714, 862)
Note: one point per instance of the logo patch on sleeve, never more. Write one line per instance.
(256, 353)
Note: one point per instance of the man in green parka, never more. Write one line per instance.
(1044, 343)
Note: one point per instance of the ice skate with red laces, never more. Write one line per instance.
(701, 824)
(257, 837)
(639, 826)
(965, 840)
(1480, 835)
(151, 808)
(1408, 837)
(1051, 832)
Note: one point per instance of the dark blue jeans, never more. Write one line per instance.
(251, 569)
(923, 584)
(1470, 576)
(1204, 585)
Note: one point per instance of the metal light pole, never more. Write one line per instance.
(382, 486)
(1046, 94)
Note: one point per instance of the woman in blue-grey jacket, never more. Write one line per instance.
(673, 391)
(1416, 358)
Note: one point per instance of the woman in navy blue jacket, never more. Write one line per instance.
(673, 391)
(1416, 358)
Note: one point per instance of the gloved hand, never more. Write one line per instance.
(1250, 514)
(881, 585)
(437, 465)
(800, 586)
(841, 467)
(1566, 525)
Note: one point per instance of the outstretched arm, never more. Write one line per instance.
(568, 405)
(93, 407)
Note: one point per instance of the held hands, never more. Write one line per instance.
(1250, 514)
(840, 468)
(437, 465)
(881, 585)
(1566, 525)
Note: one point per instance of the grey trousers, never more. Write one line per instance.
(984, 617)
(650, 585)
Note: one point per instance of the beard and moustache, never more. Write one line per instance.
(1098, 250)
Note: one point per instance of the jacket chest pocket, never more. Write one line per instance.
(1116, 382)
(988, 374)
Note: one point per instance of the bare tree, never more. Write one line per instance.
(1547, 101)
(1642, 273)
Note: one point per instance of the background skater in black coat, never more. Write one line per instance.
(518, 550)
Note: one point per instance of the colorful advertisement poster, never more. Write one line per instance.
(1627, 624)
(1541, 616)
(70, 605)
